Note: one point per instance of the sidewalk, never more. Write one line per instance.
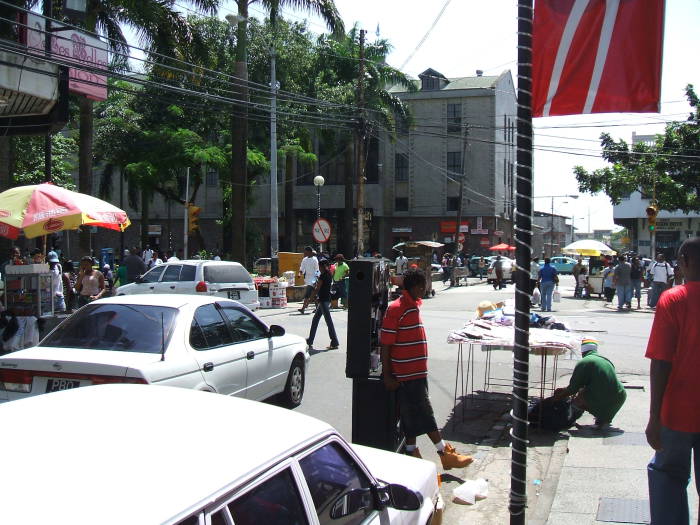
(604, 478)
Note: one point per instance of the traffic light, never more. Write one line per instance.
(652, 212)
(193, 217)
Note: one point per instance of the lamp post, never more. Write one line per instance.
(551, 217)
(318, 182)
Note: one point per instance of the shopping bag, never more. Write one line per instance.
(556, 296)
(536, 296)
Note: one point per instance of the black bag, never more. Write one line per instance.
(548, 414)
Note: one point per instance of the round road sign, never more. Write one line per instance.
(460, 237)
(321, 230)
(484, 241)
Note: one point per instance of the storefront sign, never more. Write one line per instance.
(479, 223)
(451, 226)
(480, 232)
(155, 229)
(498, 233)
(402, 229)
(671, 224)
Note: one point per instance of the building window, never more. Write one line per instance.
(401, 204)
(430, 83)
(212, 178)
(454, 161)
(401, 167)
(452, 203)
(454, 118)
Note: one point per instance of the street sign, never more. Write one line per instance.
(321, 230)
(498, 233)
(460, 237)
(484, 241)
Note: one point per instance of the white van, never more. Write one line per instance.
(143, 454)
(221, 278)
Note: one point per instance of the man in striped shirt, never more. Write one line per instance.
(405, 369)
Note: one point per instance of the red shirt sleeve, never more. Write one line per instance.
(390, 326)
(664, 332)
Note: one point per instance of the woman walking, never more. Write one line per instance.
(91, 282)
(322, 290)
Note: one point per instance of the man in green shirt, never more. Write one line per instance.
(339, 282)
(595, 385)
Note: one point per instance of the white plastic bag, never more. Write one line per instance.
(556, 296)
(536, 296)
(470, 491)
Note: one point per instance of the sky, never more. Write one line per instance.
(478, 34)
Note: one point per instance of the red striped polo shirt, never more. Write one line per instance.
(402, 330)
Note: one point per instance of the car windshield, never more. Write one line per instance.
(226, 273)
(120, 327)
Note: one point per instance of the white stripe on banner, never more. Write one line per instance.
(564, 45)
(611, 9)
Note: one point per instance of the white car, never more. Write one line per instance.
(202, 343)
(219, 278)
(508, 265)
(128, 454)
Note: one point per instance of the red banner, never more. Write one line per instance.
(596, 56)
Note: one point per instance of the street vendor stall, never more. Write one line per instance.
(36, 211)
(420, 253)
(596, 250)
(492, 330)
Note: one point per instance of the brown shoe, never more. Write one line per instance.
(415, 453)
(451, 459)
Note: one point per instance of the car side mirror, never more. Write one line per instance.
(403, 498)
(276, 331)
(351, 502)
(139, 279)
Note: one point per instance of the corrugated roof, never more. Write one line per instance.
(483, 82)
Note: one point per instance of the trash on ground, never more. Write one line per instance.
(471, 491)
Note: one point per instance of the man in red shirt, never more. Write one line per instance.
(673, 430)
(405, 369)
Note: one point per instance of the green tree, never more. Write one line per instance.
(26, 160)
(239, 120)
(338, 69)
(668, 170)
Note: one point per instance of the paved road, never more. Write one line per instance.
(622, 334)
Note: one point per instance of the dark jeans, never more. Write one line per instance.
(657, 288)
(669, 475)
(323, 308)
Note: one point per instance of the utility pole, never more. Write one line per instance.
(48, 13)
(462, 176)
(187, 202)
(274, 211)
(360, 138)
(551, 231)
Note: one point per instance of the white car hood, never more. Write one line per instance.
(389, 467)
(38, 354)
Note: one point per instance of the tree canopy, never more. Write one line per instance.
(667, 170)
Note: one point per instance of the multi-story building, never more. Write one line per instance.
(672, 227)
(551, 234)
(463, 127)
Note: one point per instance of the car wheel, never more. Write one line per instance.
(294, 389)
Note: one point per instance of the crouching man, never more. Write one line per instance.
(405, 369)
(595, 386)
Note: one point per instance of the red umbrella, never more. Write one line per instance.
(500, 247)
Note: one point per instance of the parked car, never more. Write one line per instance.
(508, 266)
(474, 263)
(202, 343)
(142, 454)
(562, 264)
(218, 278)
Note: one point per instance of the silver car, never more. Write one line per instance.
(220, 278)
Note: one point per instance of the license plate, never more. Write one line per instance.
(54, 385)
(234, 294)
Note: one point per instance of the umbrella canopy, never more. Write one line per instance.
(589, 247)
(501, 247)
(429, 244)
(41, 209)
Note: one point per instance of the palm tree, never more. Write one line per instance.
(339, 67)
(235, 242)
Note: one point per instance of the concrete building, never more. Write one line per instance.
(551, 234)
(672, 228)
(412, 180)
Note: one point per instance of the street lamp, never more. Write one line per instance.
(318, 182)
(551, 217)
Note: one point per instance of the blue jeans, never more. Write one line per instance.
(624, 295)
(657, 288)
(546, 290)
(637, 288)
(669, 474)
(323, 308)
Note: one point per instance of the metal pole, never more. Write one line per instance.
(187, 201)
(523, 255)
(274, 212)
(48, 12)
(361, 150)
(551, 230)
(462, 176)
(318, 213)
